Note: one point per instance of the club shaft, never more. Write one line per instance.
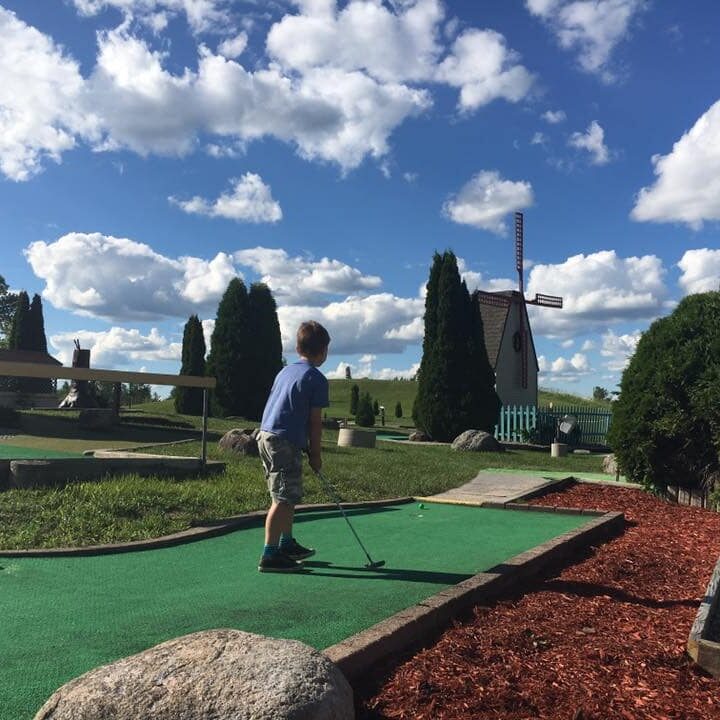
(331, 491)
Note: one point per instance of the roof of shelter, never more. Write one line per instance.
(30, 356)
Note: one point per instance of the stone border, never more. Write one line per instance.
(706, 653)
(202, 530)
(414, 627)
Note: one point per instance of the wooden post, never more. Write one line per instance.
(203, 451)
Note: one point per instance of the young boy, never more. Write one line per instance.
(291, 423)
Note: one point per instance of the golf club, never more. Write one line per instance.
(333, 494)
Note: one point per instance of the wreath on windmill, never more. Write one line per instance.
(517, 341)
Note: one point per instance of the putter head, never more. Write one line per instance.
(376, 564)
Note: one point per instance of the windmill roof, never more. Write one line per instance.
(30, 356)
(494, 319)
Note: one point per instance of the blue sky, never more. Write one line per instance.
(151, 150)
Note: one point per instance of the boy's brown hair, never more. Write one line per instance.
(312, 338)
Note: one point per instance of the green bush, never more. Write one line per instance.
(666, 422)
(365, 415)
(398, 410)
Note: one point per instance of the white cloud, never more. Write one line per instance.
(538, 139)
(102, 276)
(39, 95)
(618, 349)
(567, 343)
(296, 280)
(357, 325)
(592, 140)
(563, 369)
(554, 116)
(477, 281)
(201, 15)
(484, 69)
(597, 289)
(592, 28)
(410, 177)
(233, 47)
(250, 200)
(117, 347)
(486, 199)
(687, 185)
(364, 368)
(700, 271)
(367, 36)
(588, 345)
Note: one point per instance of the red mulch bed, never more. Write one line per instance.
(603, 639)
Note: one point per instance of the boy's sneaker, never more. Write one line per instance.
(295, 551)
(279, 563)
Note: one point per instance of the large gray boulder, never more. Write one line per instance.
(211, 675)
(477, 441)
(240, 442)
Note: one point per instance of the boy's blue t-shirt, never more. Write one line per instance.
(297, 388)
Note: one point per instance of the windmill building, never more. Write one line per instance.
(508, 338)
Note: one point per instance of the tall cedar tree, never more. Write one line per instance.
(398, 409)
(21, 329)
(354, 399)
(423, 398)
(229, 355)
(189, 401)
(265, 350)
(456, 386)
(8, 303)
(37, 341)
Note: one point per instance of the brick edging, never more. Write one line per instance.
(208, 529)
(415, 626)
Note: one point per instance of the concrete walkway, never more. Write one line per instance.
(500, 486)
(497, 487)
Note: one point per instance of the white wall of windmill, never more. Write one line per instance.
(508, 371)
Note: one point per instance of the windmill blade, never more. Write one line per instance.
(519, 240)
(553, 301)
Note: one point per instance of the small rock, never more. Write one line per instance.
(210, 675)
(477, 441)
(419, 436)
(240, 442)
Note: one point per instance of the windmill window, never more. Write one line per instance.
(517, 342)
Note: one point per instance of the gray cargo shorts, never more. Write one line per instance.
(283, 467)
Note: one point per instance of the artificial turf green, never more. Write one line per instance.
(15, 452)
(64, 616)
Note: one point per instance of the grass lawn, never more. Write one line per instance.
(132, 508)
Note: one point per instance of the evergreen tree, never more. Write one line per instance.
(423, 397)
(348, 374)
(365, 416)
(398, 410)
(456, 387)
(189, 401)
(36, 341)
(8, 304)
(376, 407)
(264, 351)
(20, 331)
(354, 399)
(228, 361)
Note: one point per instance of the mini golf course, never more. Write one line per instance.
(63, 616)
(16, 452)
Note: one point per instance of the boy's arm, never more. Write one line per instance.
(314, 438)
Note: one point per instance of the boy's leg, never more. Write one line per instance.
(283, 467)
(279, 522)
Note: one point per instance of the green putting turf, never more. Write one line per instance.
(15, 452)
(64, 616)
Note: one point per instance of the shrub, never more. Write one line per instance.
(354, 399)
(365, 416)
(398, 410)
(666, 423)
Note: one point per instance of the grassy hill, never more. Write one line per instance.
(387, 393)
